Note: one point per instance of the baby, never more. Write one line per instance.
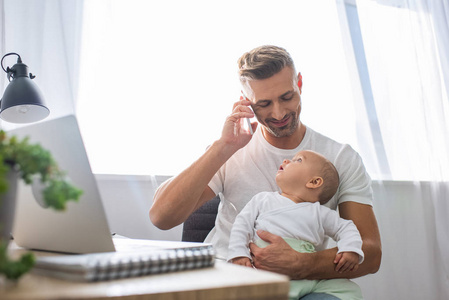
(297, 215)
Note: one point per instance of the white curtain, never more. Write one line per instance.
(406, 52)
(406, 45)
(46, 34)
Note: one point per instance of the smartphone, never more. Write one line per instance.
(248, 121)
(249, 126)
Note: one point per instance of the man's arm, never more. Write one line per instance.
(281, 258)
(180, 196)
(363, 217)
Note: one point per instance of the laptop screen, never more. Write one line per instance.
(82, 227)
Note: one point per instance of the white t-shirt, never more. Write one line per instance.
(253, 169)
(305, 221)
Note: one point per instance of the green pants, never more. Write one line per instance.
(341, 288)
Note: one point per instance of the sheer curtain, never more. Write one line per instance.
(406, 45)
(406, 55)
(46, 34)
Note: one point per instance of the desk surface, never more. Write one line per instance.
(223, 281)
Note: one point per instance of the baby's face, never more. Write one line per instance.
(298, 171)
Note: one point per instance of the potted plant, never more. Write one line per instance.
(19, 159)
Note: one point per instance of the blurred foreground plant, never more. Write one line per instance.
(32, 162)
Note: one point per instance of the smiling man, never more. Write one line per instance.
(239, 165)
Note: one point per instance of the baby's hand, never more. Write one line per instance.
(243, 261)
(346, 261)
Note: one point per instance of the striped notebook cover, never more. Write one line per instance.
(115, 265)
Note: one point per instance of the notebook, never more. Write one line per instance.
(116, 265)
(83, 227)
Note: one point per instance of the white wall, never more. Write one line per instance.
(127, 201)
(411, 267)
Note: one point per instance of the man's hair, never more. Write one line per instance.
(331, 182)
(263, 62)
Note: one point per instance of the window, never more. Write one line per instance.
(158, 78)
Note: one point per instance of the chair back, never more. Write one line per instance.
(200, 222)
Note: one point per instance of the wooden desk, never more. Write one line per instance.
(223, 281)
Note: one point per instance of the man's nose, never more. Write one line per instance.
(278, 111)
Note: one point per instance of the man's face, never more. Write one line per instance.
(276, 102)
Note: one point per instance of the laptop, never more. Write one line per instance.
(83, 226)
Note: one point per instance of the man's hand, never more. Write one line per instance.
(277, 257)
(346, 261)
(243, 261)
(233, 133)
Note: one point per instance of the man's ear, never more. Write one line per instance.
(300, 82)
(315, 182)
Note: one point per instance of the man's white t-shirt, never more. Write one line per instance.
(253, 169)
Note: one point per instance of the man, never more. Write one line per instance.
(239, 165)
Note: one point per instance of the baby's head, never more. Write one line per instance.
(308, 177)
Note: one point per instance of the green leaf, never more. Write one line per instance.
(14, 269)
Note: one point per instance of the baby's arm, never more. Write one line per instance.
(242, 232)
(349, 241)
(346, 261)
(243, 261)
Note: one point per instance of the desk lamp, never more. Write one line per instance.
(22, 100)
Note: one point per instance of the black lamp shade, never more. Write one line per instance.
(22, 100)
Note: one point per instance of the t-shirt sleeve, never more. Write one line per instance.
(216, 183)
(355, 183)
